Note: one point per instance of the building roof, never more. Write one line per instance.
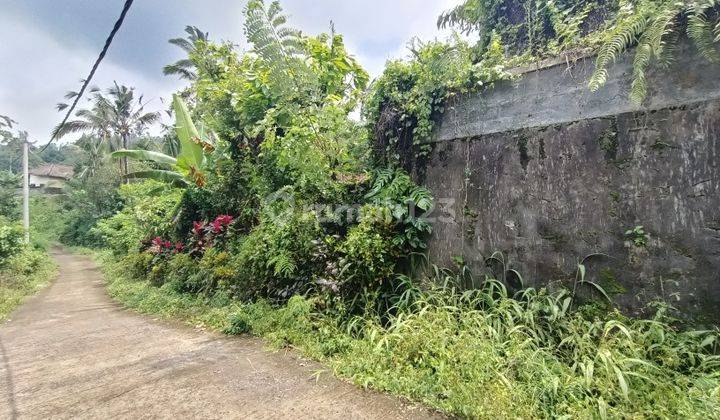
(53, 171)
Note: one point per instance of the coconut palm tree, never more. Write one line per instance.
(184, 68)
(95, 121)
(115, 117)
(95, 154)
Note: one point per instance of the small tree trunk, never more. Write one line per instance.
(125, 159)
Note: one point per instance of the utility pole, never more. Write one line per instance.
(26, 187)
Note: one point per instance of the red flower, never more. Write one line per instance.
(221, 222)
(198, 227)
(157, 241)
(179, 247)
(224, 219)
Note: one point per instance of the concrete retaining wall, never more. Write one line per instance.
(548, 172)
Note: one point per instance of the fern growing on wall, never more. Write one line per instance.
(536, 28)
(654, 26)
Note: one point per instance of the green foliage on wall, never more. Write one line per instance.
(535, 29)
(405, 102)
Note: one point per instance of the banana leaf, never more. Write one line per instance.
(145, 155)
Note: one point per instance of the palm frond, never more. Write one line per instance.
(148, 118)
(71, 95)
(179, 69)
(182, 43)
(69, 127)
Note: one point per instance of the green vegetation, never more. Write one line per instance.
(267, 208)
(404, 102)
(49, 221)
(538, 28)
(114, 118)
(479, 353)
(189, 166)
(23, 270)
(654, 26)
(638, 236)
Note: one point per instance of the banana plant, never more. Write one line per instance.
(189, 166)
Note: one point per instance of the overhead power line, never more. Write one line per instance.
(86, 82)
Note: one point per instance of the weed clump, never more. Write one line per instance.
(479, 353)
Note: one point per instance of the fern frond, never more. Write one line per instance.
(265, 29)
(700, 30)
(282, 265)
(662, 27)
(280, 46)
(651, 45)
(624, 36)
(643, 56)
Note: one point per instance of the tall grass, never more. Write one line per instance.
(484, 354)
(24, 275)
(480, 353)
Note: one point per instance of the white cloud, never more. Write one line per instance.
(375, 30)
(39, 66)
(38, 71)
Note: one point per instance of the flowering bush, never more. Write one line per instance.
(147, 212)
(160, 246)
(11, 241)
(206, 235)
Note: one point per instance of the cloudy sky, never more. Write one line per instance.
(49, 45)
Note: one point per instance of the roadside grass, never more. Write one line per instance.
(48, 221)
(23, 276)
(163, 302)
(476, 354)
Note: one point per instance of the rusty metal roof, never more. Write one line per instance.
(53, 171)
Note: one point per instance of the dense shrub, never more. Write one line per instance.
(11, 240)
(48, 221)
(26, 261)
(137, 265)
(368, 251)
(9, 199)
(21, 275)
(147, 212)
(88, 201)
(184, 274)
(276, 259)
(407, 99)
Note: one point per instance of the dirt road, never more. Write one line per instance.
(71, 352)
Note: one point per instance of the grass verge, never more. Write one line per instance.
(477, 354)
(24, 275)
